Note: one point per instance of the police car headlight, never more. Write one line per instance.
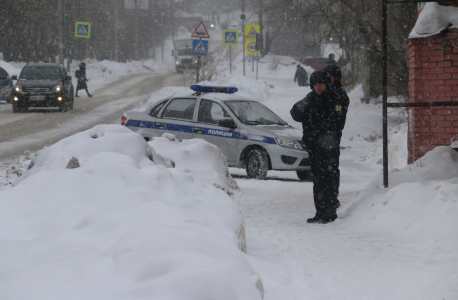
(289, 144)
(17, 88)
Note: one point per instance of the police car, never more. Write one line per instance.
(249, 134)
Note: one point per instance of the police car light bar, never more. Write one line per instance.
(213, 89)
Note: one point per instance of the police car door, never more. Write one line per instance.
(209, 116)
(177, 118)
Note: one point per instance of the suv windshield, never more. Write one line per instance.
(40, 73)
(185, 51)
(254, 113)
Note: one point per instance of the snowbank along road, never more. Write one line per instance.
(42, 126)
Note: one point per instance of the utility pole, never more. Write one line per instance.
(136, 31)
(260, 26)
(68, 53)
(60, 30)
(384, 94)
(243, 32)
(153, 33)
(116, 31)
(86, 15)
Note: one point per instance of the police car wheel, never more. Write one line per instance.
(257, 164)
(304, 175)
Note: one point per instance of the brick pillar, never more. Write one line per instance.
(433, 77)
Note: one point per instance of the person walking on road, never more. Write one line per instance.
(322, 114)
(301, 76)
(80, 75)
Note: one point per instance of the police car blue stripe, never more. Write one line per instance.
(176, 127)
(206, 131)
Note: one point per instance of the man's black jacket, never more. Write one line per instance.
(321, 114)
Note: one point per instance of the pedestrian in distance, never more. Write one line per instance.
(331, 60)
(301, 76)
(80, 75)
(322, 114)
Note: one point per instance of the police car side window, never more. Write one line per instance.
(155, 111)
(181, 108)
(211, 112)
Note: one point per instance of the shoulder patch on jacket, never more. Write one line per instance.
(338, 108)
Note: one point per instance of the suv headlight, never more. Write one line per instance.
(57, 88)
(17, 88)
(289, 143)
(177, 62)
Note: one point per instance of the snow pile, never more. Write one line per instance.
(433, 19)
(198, 157)
(100, 215)
(11, 169)
(420, 206)
(12, 70)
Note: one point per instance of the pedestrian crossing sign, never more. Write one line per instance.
(230, 37)
(83, 29)
(199, 47)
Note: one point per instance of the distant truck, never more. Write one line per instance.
(183, 55)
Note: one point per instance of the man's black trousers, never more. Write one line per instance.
(324, 156)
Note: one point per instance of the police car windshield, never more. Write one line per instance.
(254, 113)
(40, 73)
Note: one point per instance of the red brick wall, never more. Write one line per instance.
(433, 77)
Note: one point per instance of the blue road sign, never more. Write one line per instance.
(230, 37)
(199, 47)
(83, 29)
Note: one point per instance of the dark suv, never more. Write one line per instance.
(43, 85)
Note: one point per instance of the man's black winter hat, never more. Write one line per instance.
(319, 77)
(334, 71)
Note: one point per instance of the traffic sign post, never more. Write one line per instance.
(230, 37)
(83, 29)
(251, 31)
(199, 47)
(201, 32)
(250, 47)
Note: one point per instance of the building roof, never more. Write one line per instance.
(433, 19)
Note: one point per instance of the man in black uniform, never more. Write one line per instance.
(323, 113)
(336, 80)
